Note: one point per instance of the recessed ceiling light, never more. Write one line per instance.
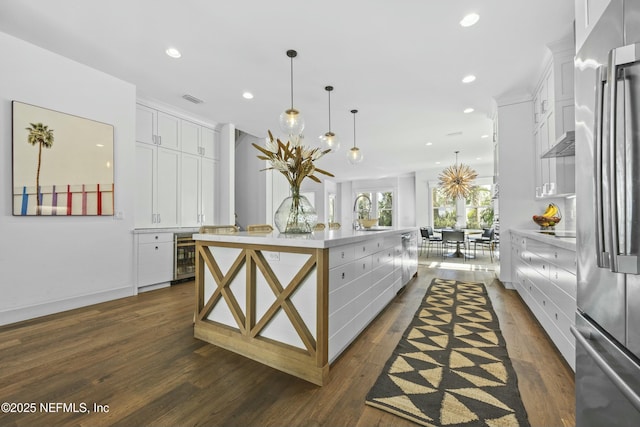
(100, 145)
(469, 78)
(429, 143)
(173, 52)
(247, 95)
(478, 158)
(484, 136)
(468, 110)
(437, 163)
(470, 19)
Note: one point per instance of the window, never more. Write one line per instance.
(444, 210)
(381, 207)
(479, 208)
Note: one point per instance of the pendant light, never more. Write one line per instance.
(329, 139)
(354, 155)
(291, 121)
(457, 180)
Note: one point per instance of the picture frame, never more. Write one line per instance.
(62, 163)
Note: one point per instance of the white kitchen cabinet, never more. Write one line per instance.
(363, 278)
(198, 140)
(157, 128)
(544, 275)
(156, 186)
(553, 117)
(196, 190)
(154, 259)
(587, 14)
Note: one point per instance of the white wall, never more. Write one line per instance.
(50, 264)
(250, 187)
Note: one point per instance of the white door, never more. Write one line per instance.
(168, 187)
(207, 190)
(190, 190)
(168, 131)
(190, 137)
(145, 167)
(145, 124)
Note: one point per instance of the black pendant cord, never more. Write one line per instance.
(354, 127)
(292, 54)
(329, 90)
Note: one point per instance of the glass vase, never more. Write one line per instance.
(295, 215)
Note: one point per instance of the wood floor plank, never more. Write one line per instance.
(138, 356)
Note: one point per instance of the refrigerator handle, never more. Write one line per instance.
(603, 257)
(621, 260)
(624, 388)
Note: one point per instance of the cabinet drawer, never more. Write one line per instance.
(341, 275)
(565, 280)
(564, 258)
(340, 255)
(368, 247)
(155, 238)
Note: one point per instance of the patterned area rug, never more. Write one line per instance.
(451, 366)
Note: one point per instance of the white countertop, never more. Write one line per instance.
(544, 236)
(317, 239)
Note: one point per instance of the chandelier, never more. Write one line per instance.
(456, 180)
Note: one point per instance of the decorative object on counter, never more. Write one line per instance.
(354, 155)
(330, 139)
(259, 228)
(368, 222)
(334, 225)
(291, 121)
(296, 162)
(456, 181)
(218, 229)
(451, 366)
(550, 217)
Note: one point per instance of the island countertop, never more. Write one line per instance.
(318, 239)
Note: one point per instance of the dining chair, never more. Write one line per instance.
(486, 239)
(429, 239)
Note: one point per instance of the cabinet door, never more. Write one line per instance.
(190, 137)
(155, 263)
(207, 180)
(145, 178)
(587, 14)
(145, 124)
(189, 190)
(167, 131)
(207, 143)
(167, 179)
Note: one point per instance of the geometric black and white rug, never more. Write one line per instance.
(451, 367)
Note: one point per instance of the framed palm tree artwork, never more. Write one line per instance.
(62, 163)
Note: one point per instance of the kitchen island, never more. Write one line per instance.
(295, 302)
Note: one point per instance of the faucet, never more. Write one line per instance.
(356, 223)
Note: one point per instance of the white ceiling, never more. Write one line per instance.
(400, 63)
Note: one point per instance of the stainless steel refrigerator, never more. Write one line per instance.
(607, 96)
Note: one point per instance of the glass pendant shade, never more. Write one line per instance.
(355, 156)
(291, 122)
(331, 141)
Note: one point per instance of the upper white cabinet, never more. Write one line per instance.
(553, 119)
(157, 128)
(175, 170)
(587, 14)
(198, 140)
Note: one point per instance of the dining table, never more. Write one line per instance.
(467, 232)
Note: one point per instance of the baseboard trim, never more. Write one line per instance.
(20, 314)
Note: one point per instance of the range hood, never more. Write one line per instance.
(565, 146)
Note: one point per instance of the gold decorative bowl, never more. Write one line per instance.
(368, 223)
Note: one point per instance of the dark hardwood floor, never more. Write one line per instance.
(138, 359)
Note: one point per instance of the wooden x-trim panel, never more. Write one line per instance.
(310, 362)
